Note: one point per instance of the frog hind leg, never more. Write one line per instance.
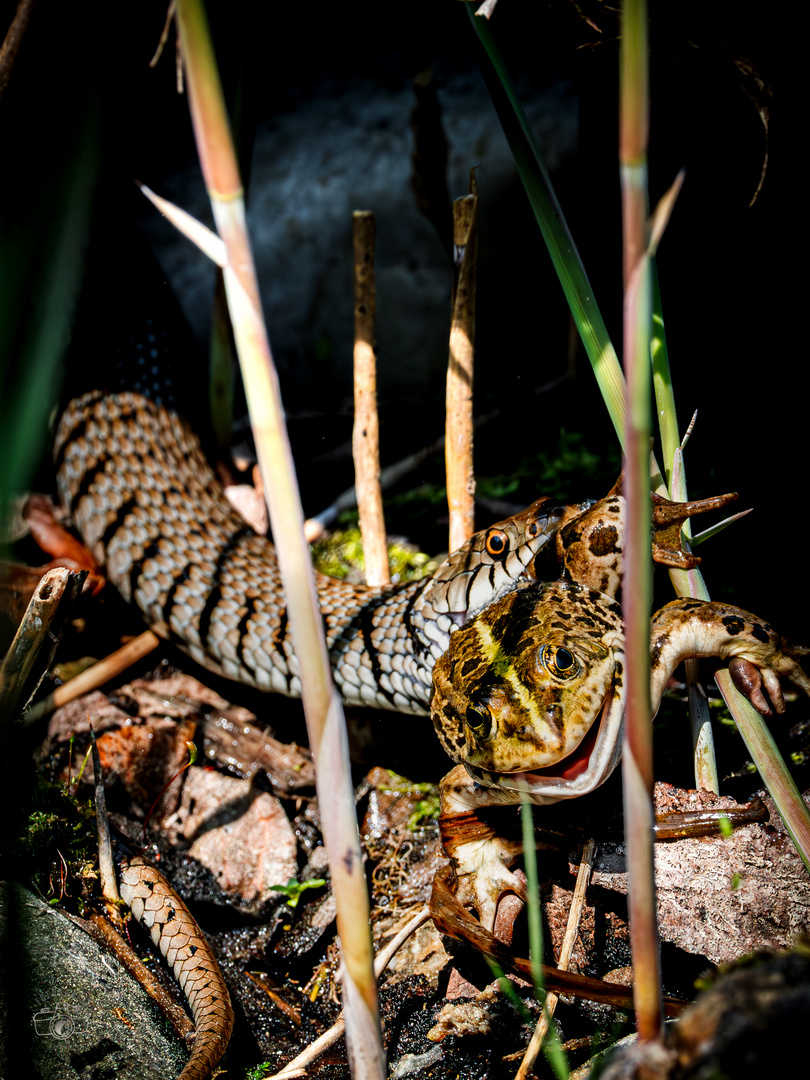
(590, 546)
(758, 657)
(668, 519)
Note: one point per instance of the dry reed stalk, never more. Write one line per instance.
(459, 398)
(366, 434)
(322, 706)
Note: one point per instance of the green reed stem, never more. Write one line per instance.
(637, 575)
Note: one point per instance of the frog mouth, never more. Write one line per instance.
(581, 771)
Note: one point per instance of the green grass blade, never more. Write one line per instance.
(561, 247)
(40, 276)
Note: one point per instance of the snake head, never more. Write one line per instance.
(527, 695)
(491, 564)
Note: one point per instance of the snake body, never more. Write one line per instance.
(174, 931)
(139, 490)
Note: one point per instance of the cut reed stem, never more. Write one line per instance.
(366, 434)
(458, 448)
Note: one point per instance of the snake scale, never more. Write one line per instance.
(139, 490)
(173, 930)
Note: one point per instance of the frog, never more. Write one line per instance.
(529, 697)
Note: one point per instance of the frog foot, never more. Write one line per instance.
(590, 545)
(753, 681)
(668, 518)
(479, 856)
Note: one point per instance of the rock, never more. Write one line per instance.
(240, 834)
(752, 881)
(69, 1010)
(347, 146)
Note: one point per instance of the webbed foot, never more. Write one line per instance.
(591, 545)
(668, 518)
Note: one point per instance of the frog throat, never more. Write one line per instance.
(579, 773)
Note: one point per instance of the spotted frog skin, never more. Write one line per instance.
(529, 696)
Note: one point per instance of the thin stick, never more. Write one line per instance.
(459, 423)
(106, 869)
(97, 675)
(567, 948)
(366, 435)
(100, 929)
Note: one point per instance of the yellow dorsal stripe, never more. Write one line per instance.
(502, 666)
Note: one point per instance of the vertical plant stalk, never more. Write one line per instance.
(637, 580)
(690, 583)
(458, 449)
(366, 434)
(322, 707)
(553, 1050)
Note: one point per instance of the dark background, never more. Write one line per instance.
(731, 291)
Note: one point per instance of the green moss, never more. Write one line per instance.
(340, 555)
(58, 847)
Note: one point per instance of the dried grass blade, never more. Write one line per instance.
(323, 709)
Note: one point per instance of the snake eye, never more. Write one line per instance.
(559, 661)
(497, 543)
(479, 720)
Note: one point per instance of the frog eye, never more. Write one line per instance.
(497, 543)
(479, 720)
(559, 661)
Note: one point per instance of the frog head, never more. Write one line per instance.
(528, 696)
